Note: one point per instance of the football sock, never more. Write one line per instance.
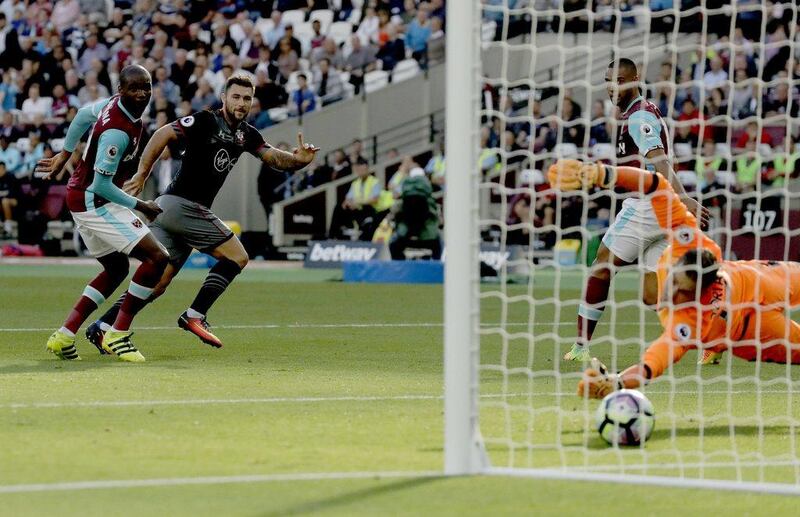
(93, 295)
(219, 278)
(141, 287)
(107, 319)
(591, 310)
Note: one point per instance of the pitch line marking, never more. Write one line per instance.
(209, 480)
(301, 400)
(345, 326)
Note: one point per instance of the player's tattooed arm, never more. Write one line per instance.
(300, 156)
(152, 151)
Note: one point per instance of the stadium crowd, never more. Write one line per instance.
(303, 54)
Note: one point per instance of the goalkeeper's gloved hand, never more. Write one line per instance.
(575, 175)
(597, 382)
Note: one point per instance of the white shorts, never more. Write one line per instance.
(636, 234)
(110, 228)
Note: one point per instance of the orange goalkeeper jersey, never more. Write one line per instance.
(720, 314)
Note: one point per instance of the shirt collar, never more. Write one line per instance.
(126, 112)
(634, 101)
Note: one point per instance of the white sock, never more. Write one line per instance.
(65, 330)
(7, 226)
(193, 313)
(105, 327)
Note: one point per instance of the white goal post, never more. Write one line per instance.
(509, 399)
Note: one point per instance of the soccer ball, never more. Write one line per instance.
(625, 417)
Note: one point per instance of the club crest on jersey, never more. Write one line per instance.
(137, 223)
(646, 129)
(239, 137)
(112, 151)
(222, 160)
(683, 332)
(187, 121)
(684, 235)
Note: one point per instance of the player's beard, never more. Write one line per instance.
(234, 116)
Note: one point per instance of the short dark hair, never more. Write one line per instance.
(361, 161)
(240, 79)
(702, 264)
(131, 73)
(625, 63)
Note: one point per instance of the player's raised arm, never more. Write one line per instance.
(83, 120)
(300, 156)
(152, 151)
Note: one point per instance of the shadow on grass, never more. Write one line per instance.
(715, 431)
(95, 363)
(344, 499)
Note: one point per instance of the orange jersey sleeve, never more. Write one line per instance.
(663, 352)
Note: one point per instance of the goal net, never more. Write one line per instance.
(529, 88)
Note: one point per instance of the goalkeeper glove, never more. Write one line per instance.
(576, 175)
(597, 382)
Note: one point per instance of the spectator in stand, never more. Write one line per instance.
(327, 82)
(363, 205)
(749, 165)
(287, 61)
(786, 163)
(61, 103)
(204, 97)
(294, 43)
(780, 102)
(181, 70)
(276, 32)
(665, 88)
(10, 156)
(360, 61)
(250, 52)
(599, 131)
(257, 117)
(95, 10)
(741, 96)
(270, 94)
(35, 104)
(65, 14)
(10, 196)
(91, 89)
(34, 153)
(266, 64)
(689, 113)
(8, 92)
(93, 50)
(368, 27)
(318, 38)
(330, 51)
(171, 90)
(708, 164)
(716, 77)
(716, 106)
(416, 217)
(751, 134)
(9, 129)
(393, 51)
(573, 130)
(341, 165)
(302, 99)
(525, 214)
(356, 151)
(10, 51)
(418, 33)
(435, 168)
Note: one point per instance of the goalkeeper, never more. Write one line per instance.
(704, 302)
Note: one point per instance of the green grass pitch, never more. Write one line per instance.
(322, 377)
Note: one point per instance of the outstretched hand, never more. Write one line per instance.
(304, 153)
(51, 167)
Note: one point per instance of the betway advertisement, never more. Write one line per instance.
(332, 254)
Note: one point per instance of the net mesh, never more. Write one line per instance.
(726, 79)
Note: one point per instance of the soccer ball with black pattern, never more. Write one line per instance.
(625, 417)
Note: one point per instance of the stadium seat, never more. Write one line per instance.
(602, 151)
(726, 178)
(304, 64)
(57, 144)
(264, 25)
(683, 150)
(355, 17)
(375, 80)
(340, 32)
(304, 33)
(405, 69)
(566, 150)
(291, 82)
(278, 114)
(688, 178)
(488, 30)
(765, 151)
(293, 17)
(357, 4)
(325, 17)
(723, 150)
(23, 145)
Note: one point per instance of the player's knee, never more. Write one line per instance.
(117, 268)
(240, 260)
(159, 258)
